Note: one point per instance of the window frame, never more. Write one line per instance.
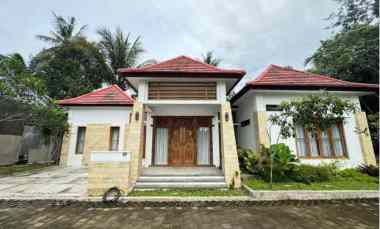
(78, 138)
(111, 136)
(320, 148)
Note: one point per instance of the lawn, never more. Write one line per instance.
(190, 192)
(363, 182)
(12, 169)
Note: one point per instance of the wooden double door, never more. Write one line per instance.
(182, 138)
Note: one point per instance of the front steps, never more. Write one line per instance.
(161, 178)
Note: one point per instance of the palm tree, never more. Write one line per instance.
(64, 31)
(209, 58)
(121, 51)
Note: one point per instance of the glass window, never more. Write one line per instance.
(327, 144)
(115, 132)
(300, 142)
(337, 138)
(80, 140)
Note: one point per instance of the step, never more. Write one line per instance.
(180, 179)
(161, 185)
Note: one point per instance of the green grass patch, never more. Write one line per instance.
(355, 181)
(190, 192)
(13, 169)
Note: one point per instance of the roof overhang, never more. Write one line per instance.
(247, 87)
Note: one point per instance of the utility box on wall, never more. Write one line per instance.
(108, 169)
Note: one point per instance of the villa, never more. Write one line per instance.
(180, 130)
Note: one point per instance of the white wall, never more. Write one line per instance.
(258, 100)
(82, 116)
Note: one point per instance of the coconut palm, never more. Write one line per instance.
(121, 51)
(64, 31)
(209, 58)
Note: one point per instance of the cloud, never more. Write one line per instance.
(245, 34)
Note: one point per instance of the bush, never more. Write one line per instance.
(259, 163)
(310, 173)
(370, 170)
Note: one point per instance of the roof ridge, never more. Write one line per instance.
(122, 92)
(80, 96)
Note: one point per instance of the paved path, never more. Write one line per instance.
(55, 181)
(342, 215)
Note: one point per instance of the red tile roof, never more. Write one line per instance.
(183, 65)
(112, 95)
(280, 77)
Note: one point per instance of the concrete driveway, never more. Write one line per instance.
(53, 182)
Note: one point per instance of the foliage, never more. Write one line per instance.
(18, 83)
(23, 98)
(259, 163)
(209, 58)
(371, 170)
(121, 51)
(352, 12)
(71, 69)
(22, 168)
(350, 55)
(308, 173)
(64, 31)
(361, 182)
(313, 112)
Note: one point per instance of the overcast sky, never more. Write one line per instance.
(245, 34)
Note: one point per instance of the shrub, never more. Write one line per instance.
(258, 163)
(310, 173)
(371, 170)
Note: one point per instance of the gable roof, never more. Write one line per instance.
(183, 65)
(109, 96)
(280, 78)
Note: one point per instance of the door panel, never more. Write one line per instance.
(189, 145)
(175, 147)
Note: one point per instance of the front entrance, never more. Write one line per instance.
(182, 141)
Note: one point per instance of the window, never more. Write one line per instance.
(245, 123)
(326, 144)
(273, 107)
(81, 135)
(114, 142)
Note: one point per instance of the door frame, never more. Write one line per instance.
(155, 126)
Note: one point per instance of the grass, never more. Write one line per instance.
(190, 192)
(356, 182)
(20, 168)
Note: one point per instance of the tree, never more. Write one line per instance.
(64, 31)
(209, 58)
(120, 51)
(314, 113)
(354, 12)
(350, 55)
(23, 99)
(71, 69)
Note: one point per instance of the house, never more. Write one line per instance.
(261, 98)
(180, 123)
(179, 130)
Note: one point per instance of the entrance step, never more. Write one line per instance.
(161, 182)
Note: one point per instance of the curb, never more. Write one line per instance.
(260, 195)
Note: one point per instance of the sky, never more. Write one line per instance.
(247, 34)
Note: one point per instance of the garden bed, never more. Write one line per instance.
(189, 192)
(359, 182)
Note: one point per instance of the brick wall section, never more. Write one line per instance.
(103, 176)
(97, 139)
(65, 147)
(228, 147)
(134, 140)
(365, 138)
(262, 130)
